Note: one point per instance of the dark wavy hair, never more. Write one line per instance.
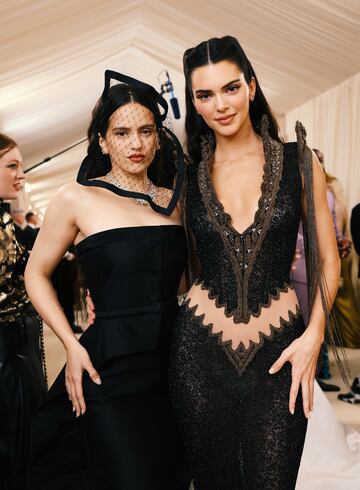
(212, 51)
(96, 164)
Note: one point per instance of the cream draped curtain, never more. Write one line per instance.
(332, 122)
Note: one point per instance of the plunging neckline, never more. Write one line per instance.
(260, 201)
(266, 187)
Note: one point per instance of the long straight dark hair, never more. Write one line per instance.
(212, 51)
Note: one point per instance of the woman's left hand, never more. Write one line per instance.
(302, 354)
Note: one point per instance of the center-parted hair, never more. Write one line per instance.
(213, 51)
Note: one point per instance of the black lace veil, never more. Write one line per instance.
(131, 150)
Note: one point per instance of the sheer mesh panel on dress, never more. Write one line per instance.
(243, 335)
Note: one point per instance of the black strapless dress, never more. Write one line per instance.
(127, 439)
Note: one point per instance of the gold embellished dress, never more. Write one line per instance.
(22, 384)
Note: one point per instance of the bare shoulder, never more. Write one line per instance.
(70, 193)
(67, 198)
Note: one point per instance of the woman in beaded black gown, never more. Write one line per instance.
(242, 362)
(117, 431)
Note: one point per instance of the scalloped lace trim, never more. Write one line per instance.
(242, 340)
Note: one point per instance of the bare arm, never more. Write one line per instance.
(56, 235)
(304, 351)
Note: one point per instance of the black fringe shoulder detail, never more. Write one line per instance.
(315, 274)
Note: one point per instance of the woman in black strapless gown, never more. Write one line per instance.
(127, 437)
(123, 435)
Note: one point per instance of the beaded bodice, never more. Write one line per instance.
(242, 270)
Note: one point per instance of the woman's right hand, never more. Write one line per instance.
(78, 361)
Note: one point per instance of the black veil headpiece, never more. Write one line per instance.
(165, 172)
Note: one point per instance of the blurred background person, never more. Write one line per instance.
(64, 281)
(31, 230)
(345, 305)
(355, 230)
(18, 217)
(32, 220)
(22, 383)
(353, 396)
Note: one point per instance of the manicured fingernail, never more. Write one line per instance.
(309, 415)
(74, 409)
(97, 381)
(292, 411)
(271, 371)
